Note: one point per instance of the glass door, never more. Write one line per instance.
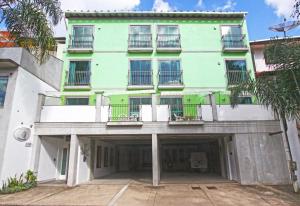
(64, 163)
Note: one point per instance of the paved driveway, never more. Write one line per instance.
(134, 193)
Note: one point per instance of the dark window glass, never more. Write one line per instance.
(236, 71)
(112, 156)
(169, 72)
(99, 156)
(245, 100)
(140, 72)
(3, 86)
(79, 73)
(77, 101)
(105, 157)
(176, 107)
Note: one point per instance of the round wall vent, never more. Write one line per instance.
(22, 134)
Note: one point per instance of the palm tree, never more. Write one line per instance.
(278, 89)
(30, 23)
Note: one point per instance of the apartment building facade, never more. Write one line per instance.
(146, 93)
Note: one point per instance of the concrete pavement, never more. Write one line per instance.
(140, 194)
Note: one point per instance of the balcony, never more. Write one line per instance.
(137, 115)
(78, 80)
(124, 114)
(140, 80)
(140, 43)
(185, 114)
(170, 80)
(234, 43)
(235, 77)
(168, 43)
(81, 44)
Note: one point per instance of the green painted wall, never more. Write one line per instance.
(202, 59)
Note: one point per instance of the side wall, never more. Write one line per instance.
(261, 159)
(23, 113)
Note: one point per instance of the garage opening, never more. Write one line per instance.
(123, 159)
(190, 160)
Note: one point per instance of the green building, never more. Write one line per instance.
(145, 94)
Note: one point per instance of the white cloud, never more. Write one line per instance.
(92, 5)
(161, 5)
(282, 7)
(99, 4)
(228, 6)
(200, 3)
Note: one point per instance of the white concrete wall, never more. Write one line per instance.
(68, 114)
(162, 113)
(104, 113)
(207, 113)
(261, 159)
(103, 171)
(146, 112)
(84, 155)
(24, 109)
(49, 158)
(244, 113)
(259, 60)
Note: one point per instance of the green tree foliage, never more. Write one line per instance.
(30, 23)
(278, 89)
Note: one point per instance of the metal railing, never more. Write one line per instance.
(124, 112)
(234, 41)
(236, 77)
(140, 41)
(185, 112)
(170, 78)
(168, 41)
(78, 78)
(140, 78)
(81, 42)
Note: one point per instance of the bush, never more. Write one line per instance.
(17, 184)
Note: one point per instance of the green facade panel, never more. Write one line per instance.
(202, 59)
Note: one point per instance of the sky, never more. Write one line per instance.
(261, 13)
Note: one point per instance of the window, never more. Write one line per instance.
(136, 102)
(105, 157)
(175, 103)
(170, 72)
(236, 71)
(99, 156)
(245, 100)
(77, 101)
(3, 87)
(82, 37)
(232, 36)
(79, 73)
(140, 36)
(168, 36)
(112, 157)
(140, 72)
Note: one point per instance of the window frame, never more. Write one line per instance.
(140, 59)
(161, 25)
(77, 97)
(170, 59)
(234, 59)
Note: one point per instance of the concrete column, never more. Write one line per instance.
(154, 107)
(98, 106)
(213, 104)
(73, 161)
(155, 160)
(35, 155)
(40, 104)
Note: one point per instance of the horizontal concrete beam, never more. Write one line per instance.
(246, 127)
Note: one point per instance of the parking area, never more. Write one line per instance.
(139, 193)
